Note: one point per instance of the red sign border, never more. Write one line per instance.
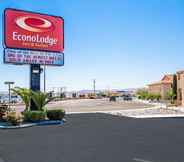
(4, 29)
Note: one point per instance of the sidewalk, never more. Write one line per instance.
(159, 110)
(179, 108)
(163, 105)
(155, 112)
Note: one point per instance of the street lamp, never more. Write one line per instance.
(9, 88)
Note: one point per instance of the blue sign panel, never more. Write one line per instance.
(19, 56)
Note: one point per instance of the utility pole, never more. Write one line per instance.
(9, 91)
(94, 86)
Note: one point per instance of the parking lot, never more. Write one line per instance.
(92, 105)
(96, 138)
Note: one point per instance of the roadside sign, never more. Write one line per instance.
(33, 31)
(18, 56)
(35, 39)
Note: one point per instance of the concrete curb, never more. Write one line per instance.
(41, 123)
(150, 116)
(159, 116)
(17, 126)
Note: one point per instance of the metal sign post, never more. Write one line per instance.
(35, 71)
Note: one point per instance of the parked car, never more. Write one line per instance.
(127, 98)
(112, 98)
(14, 99)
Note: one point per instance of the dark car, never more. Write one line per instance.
(112, 99)
(127, 98)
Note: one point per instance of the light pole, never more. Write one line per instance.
(9, 91)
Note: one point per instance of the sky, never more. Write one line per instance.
(121, 44)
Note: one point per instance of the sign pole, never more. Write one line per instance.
(34, 81)
(44, 81)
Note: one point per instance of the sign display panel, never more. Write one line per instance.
(33, 31)
(18, 56)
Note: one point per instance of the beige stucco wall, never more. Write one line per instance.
(154, 88)
(162, 89)
(180, 87)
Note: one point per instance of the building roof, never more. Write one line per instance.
(167, 79)
(181, 71)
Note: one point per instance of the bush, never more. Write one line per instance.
(158, 96)
(55, 114)
(40, 99)
(151, 97)
(34, 116)
(13, 118)
(25, 95)
(3, 111)
(142, 94)
(171, 96)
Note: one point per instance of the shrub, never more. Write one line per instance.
(142, 94)
(151, 96)
(13, 118)
(171, 96)
(40, 99)
(3, 111)
(25, 95)
(55, 114)
(34, 116)
(158, 96)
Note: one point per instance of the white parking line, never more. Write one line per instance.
(1, 160)
(141, 160)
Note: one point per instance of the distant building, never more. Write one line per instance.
(162, 87)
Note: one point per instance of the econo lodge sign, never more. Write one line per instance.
(33, 31)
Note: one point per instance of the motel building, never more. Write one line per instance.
(166, 83)
(162, 87)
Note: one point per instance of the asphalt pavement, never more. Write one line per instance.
(91, 105)
(96, 138)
